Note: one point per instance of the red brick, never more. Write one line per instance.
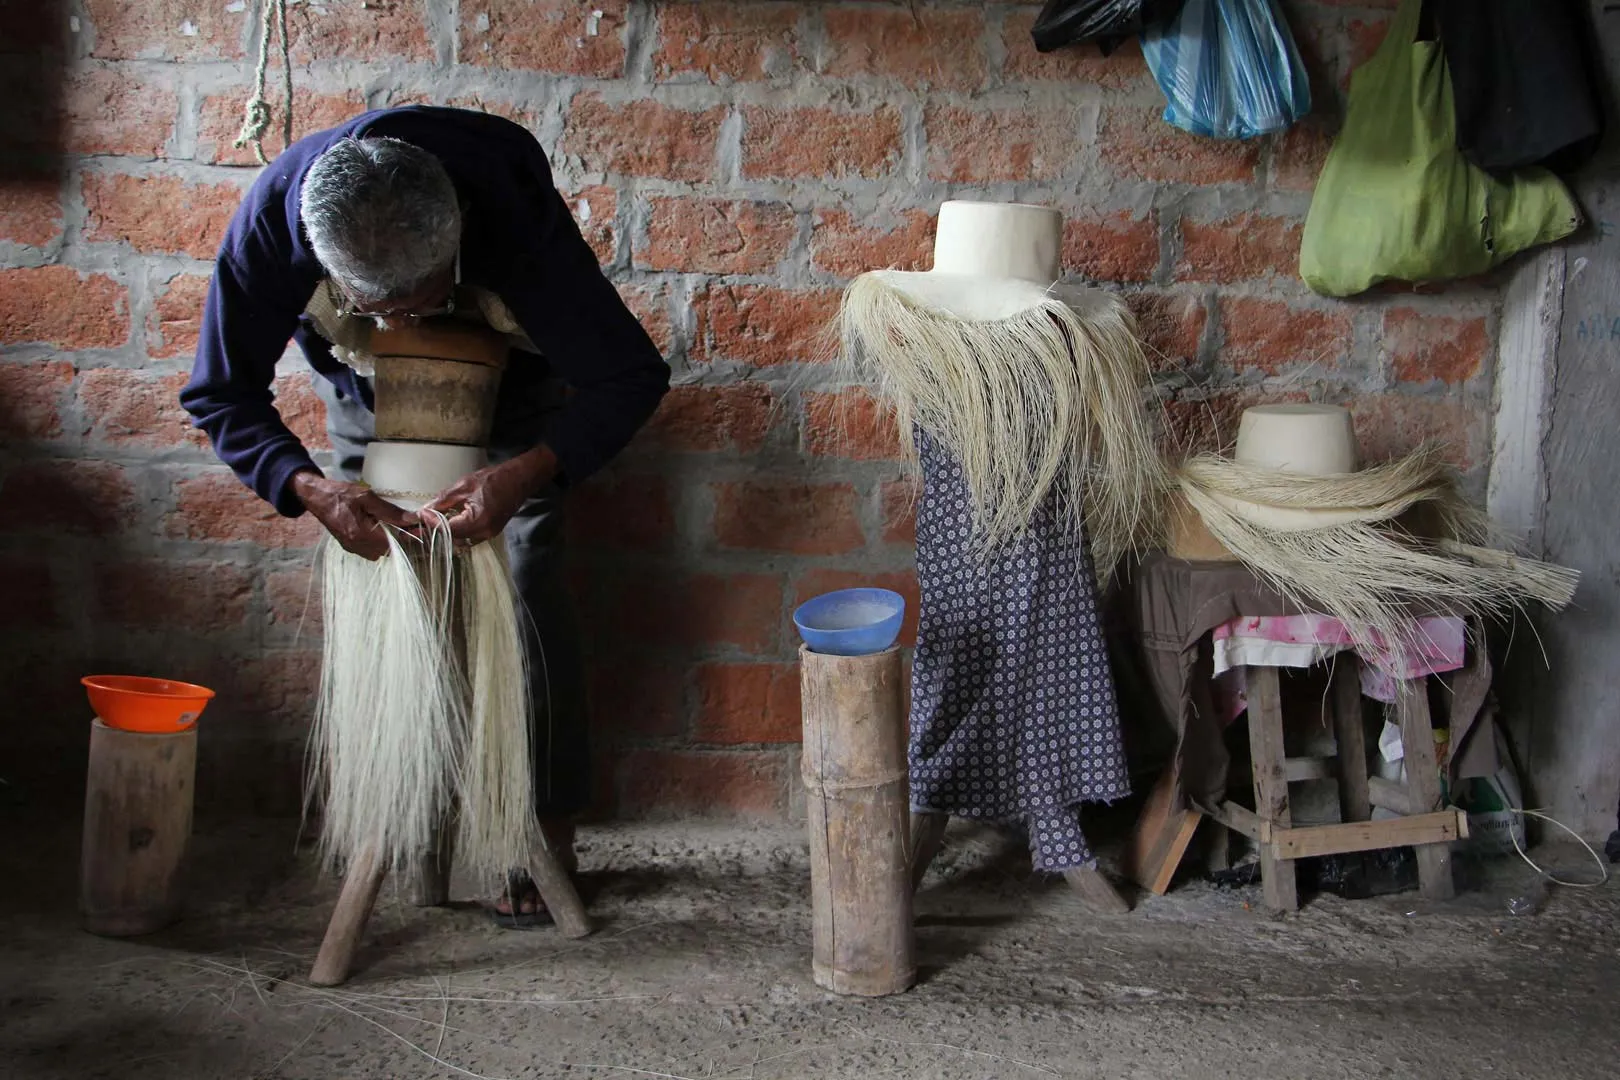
(1426, 347)
(358, 31)
(136, 408)
(650, 305)
(622, 513)
(1300, 153)
(850, 424)
(764, 326)
(819, 582)
(70, 496)
(813, 143)
(282, 686)
(717, 236)
(747, 703)
(188, 597)
(1268, 335)
(689, 611)
(567, 37)
(698, 419)
(218, 507)
(1085, 65)
(30, 210)
(1170, 327)
(641, 699)
(726, 41)
(188, 30)
(794, 518)
(900, 512)
(1138, 145)
(596, 211)
(739, 783)
(1364, 37)
(59, 306)
(643, 138)
(108, 112)
(221, 121)
(1391, 425)
(841, 245)
(1118, 247)
(990, 145)
(176, 318)
(1238, 248)
(301, 410)
(1208, 422)
(913, 45)
(31, 396)
(293, 602)
(158, 213)
(29, 586)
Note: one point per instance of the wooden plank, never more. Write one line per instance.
(1388, 795)
(1238, 819)
(1350, 735)
(1281, 886)
(1309, 768)
(1435, 879)
(1440, 827)
(1161, 838)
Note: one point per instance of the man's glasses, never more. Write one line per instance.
(346, 308)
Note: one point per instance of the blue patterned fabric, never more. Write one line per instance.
(1013, 715)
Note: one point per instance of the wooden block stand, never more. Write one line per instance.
(1425, 825)
(854, 767)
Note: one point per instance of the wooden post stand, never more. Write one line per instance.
(137, 825)
(855, 777)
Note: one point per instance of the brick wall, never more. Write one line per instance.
(733, 163)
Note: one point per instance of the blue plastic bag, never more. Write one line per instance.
(1229, 69)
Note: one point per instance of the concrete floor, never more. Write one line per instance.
(700, 969)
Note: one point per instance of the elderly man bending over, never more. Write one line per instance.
(398, 214)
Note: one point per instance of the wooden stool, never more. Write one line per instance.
(1425, 825)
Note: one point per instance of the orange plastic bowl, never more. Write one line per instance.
(154, 706)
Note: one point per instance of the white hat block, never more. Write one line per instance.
(991, 260)
(411, 475)
(1304, 439)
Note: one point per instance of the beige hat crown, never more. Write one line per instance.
(1308, 439)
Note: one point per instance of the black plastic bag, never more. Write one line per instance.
(1107, 22)
(1523, 80)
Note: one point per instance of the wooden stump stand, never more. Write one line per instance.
(854, 767)
(138, 800)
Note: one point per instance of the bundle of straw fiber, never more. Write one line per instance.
(424, 707)
(1348, 556)
(1044, 403)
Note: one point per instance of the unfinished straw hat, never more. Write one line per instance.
(1036, 389)
(1292, 504)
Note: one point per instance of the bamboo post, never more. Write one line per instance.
(854, 766)
(138, 800)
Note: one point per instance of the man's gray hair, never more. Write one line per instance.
(382, 216)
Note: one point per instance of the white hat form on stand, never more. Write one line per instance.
(1308, 440)
(991, 260)
(411, 475)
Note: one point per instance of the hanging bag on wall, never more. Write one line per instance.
(1229, 69)
(1107, 22)
(1398, 201)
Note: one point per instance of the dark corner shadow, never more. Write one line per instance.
(35, 44)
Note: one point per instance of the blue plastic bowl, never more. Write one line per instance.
(851, 622)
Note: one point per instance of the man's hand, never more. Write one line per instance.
(352, 513)
(479, 505)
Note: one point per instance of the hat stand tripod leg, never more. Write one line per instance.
(430, 876)
(349, 918)
(557, 891)
(927, 834)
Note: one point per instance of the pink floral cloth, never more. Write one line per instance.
(1306, 640)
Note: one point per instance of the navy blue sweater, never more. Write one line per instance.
(518, 240)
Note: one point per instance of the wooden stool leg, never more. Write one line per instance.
(927, 834)
(430, 878)
(1271, 784)
(1350, 734)
(558, 892)
(1435, 880)
(349, 919)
